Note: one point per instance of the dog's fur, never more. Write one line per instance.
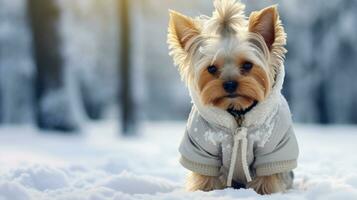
(230, 40)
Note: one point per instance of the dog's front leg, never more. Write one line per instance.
(268, 184)
(205, 183)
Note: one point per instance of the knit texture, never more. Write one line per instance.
(275, 167)
(199, 168)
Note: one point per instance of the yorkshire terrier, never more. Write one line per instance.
(239, 133)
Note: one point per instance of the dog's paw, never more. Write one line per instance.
(268, 184)
(205, 183)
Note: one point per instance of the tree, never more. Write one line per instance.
(53, 110)
(127, 108)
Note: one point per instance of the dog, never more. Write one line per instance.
(239, 133)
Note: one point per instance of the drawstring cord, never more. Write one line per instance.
(240, 134)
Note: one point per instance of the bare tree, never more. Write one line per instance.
(52, 110)
(127, 108)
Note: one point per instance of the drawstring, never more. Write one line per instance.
(240, 134)
(244, 154)
(233, 159)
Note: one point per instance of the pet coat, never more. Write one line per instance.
(264, 144)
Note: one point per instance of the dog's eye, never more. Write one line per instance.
(212, 69)
(247, 66)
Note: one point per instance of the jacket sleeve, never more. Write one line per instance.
(197, 154)
(196, 158)
(282, 158)
(281, 152)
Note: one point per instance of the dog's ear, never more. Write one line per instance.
(266, 22)
(181, 36)
(181, 30)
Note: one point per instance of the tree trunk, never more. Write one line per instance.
(127, 108)
(1, 102)
(52, 102)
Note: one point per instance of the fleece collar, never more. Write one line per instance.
(255, 117)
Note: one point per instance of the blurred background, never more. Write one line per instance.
(66, 62)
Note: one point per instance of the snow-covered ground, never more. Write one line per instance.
(98, 164)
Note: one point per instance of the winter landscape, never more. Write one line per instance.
(84, 115)
(98, 165)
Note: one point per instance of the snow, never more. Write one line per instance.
(99, 164)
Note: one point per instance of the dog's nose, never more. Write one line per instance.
(230, 86)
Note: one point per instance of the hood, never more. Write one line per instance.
(255, 117)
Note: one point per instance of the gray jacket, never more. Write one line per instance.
(265, 144)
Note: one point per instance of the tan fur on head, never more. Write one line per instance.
(197, 43)
(253, 86)
(227, 18)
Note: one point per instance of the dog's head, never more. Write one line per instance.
(231, 61)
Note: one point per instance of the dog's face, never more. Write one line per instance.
(233, 81)
(231, 61)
